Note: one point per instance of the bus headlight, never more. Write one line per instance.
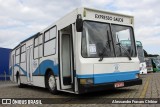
(137, 75)
(86, 81)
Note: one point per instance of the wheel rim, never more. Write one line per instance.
(51, 82)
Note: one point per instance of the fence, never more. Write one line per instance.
(4, 77)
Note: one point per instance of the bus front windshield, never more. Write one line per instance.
(97, 39)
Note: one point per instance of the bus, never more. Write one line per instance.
(79, 53)
(143, 69)
(155, 64)
(127, 44)
(149, 64)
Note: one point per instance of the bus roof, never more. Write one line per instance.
(84, 11)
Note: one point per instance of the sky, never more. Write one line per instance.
(20, 19)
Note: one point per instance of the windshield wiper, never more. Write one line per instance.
(108, 41)
(127, 53)
(101, 54)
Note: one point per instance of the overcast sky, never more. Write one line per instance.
(20, 19)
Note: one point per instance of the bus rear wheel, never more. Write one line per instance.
(51, 83)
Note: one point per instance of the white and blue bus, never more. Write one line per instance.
(79, 53)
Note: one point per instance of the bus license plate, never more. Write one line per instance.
(119, 84)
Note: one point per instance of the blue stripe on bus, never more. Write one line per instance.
(85, 76)
(46, 64)
(24, 72)
(111, 77)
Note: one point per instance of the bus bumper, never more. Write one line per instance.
(106, 86)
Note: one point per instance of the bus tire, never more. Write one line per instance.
(20, 85)
(51, 83)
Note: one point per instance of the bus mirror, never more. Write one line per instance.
(79, 23)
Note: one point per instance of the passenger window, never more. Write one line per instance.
(38, 46)
(17, 51)
(52, 33)
(46, 35)
(50, 42)
(17, 55)
(23, 49)
(23, 53)
(40, 39)
(36, 42)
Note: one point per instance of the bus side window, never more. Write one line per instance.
(36, 48)
(17, 56)
(40, 45)
(23, 53)
(38, 41)
(50, 42)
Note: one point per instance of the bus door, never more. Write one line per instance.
(13, 63)
(66, 58)
(29, 63)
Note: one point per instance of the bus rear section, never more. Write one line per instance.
(104, 62)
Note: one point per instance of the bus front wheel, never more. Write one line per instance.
(51, 83)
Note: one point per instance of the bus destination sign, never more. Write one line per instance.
(109, 18)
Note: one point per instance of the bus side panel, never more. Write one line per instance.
(38, 81)
(22, 71)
